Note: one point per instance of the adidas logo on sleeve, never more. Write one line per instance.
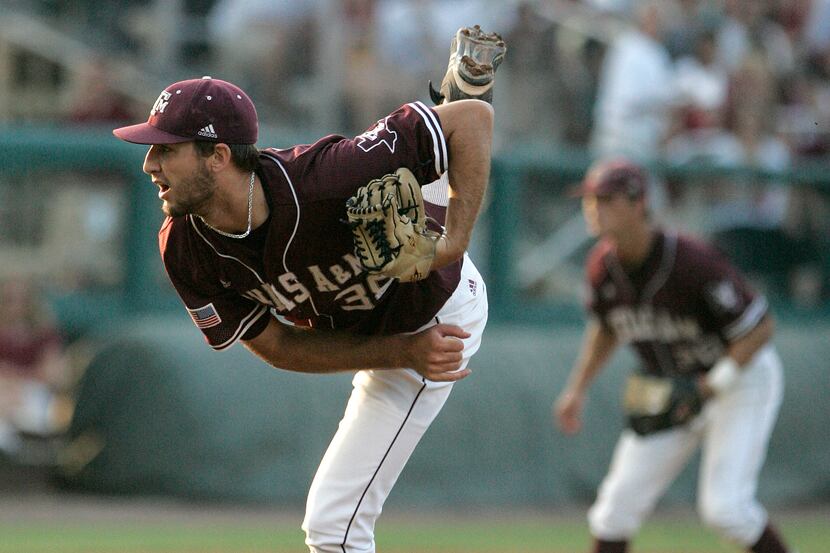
(208, 132)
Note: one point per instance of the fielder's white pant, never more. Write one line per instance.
(387, 413)
(733, 429)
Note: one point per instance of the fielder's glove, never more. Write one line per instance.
(653, 403)
(389, 228)
(474, 58)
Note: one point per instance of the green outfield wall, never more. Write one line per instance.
(171, 416)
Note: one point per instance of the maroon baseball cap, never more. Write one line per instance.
(197, 109)
(607, 177)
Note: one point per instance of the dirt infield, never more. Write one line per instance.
(69, 507)
(68, 523)
(50, 504)
(38, 517)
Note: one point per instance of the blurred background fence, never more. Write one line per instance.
(737, 141)
(160, 414)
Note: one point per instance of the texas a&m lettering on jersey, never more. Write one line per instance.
(300, 264)
(285, 296)
(679, 309)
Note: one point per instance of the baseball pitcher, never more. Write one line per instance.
(343, 255)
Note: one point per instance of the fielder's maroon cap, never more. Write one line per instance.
(607, 177)
(197, 109)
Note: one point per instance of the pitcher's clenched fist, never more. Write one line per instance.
(436, 353)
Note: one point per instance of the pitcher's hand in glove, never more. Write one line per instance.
(474, 58)
(389, 227)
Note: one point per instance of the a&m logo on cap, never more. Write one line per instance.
(161, 103)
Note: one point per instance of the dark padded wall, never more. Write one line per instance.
(175, 417)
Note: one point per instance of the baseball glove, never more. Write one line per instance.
(474, 58)
(653, 403)
(389, 227)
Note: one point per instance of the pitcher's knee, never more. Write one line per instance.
(325, 543)
(319, 534)
(317, 545)
(325, 534)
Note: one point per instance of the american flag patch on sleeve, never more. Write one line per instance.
(205, 317)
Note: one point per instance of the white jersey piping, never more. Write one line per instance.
(294, 232)
(262, 309)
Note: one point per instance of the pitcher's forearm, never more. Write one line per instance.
(312, 351)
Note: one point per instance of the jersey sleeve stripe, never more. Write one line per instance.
(750, 318)
(438, 142)
(244, 325)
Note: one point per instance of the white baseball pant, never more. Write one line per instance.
(733, 430)
(387, 413)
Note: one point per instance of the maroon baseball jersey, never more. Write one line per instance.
(300, 265)
(678, 309)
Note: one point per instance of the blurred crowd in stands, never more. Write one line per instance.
(35, 375)
(730, 80)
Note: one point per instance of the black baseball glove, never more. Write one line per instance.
(653, 403)
(474, 58)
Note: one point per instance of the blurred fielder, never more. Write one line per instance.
(709, 375)
(346, 254)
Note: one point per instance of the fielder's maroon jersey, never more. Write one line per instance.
(300, 265)
(678, 309)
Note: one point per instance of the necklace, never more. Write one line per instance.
(250, 214)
